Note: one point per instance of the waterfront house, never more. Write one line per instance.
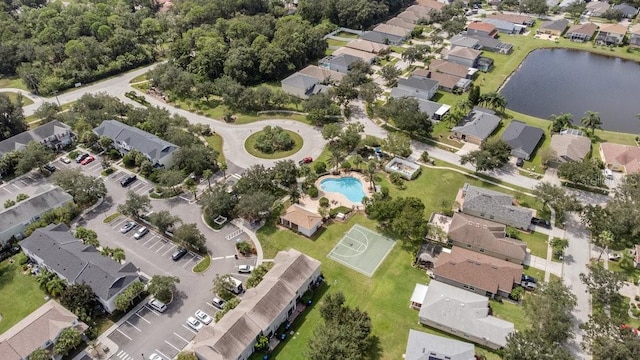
(506, 27)
(553, 27)
(514, 18)
(628, 11)
(581, 32)
(611, 34)
(634, 35)
(622, 158)
(482, 29)
(522, 138)
(478, 125)
(464, 56)
(446, 82)
(420, 87)
(451, 68)
(569, 147)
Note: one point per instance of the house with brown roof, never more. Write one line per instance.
(452, 68)
(478, 273)
(622, 158)
(485, 237)
(262, 309)
(482, 29)
(362, 55)
(514, 18)
(409, 17)
(553, 27)
(611, 34)
(570, 147)
(581, 32)
(634, 35)
(597, 8)
(402, 22)
(446, 82)
(323, 75)
(463, 56)
(39, 330)
(301, 220)
(431, 4)
(368, 46)
(392, 30)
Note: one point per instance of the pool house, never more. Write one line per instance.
(405, 168)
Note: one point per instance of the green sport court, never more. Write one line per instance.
(362, 250)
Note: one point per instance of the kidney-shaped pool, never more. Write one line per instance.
(348, 186)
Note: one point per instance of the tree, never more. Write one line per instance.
(397, 144)
(331, 131)
(11, 117)
(321, 109)
(164, 220)
(474, 95)
(217, 201)
(603, 240)
(118, 255)
(370, 171)
(88, 236)
(557, 198)
(584, 172)
(494, 100)
(493, 154)
(195, 159)
(163, 287)
(406, 114)
(170, 178)
(85, 190)
(414, 53)
(257, 274)
(285, 172)
(255, 206)
(604, 338)
(47, 112)
(591, 120)
(126, 298)
(135, 205)
(576, 9)
(35, 155)
(207, 174)
(223, 167)
(560, 122)
(256, 178)
(68, 339)
(189, 236)
(80, 299)
(526, 345)
(613, 14)
(55, 286)
(402, 217)
(539, 7)
(369, 92)
(559, 245)
(335, 158)
(547, 155)
(221, 286)
(40, 354)
(602, 284)
(390, 73)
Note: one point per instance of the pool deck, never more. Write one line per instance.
(335, 199)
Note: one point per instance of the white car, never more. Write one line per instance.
(66, 160)
(203, 317)
(155, 356)
(194, 323)
(245, 268)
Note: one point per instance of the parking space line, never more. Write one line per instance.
(163, 355)
(183, 339)
(218, 258)
(140, 316)
(118, 222)
(210, 304)
(153, 311)
(160, 248)
(125, 335)
(156, 243)
(135, 327)
(188, 328)
(15, 186)
(168, 343)
(5, 189)
(188, 262)
(151, 238)
(170, 248)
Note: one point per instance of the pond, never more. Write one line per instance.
(556, 81)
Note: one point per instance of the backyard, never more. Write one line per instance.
(19, 293)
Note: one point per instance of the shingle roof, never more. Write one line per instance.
(20, 141)
(465, 53)
(379, 37)
(421, 344)
(302, 217)
(626, 9)
(417, 82)
(497, 204)
(501, 24)
(402, 22)
(44, 323)
(482, 26)
(362, 55)
(478, 270)
(522, 137)
(479, 123)
(46, 199)
(485, 234)
(444, 80)
(513, 18)
(448, 67)
(321, 74)
(392, 30)
(260, 306)
(587, 29)
(67, 256)
(432, 4)
(426, 106)
(570, 147)
(146, 143)
(465, 41)
(464, 311)
(368, 46)
(598, 6)
(624, 155)
(344, 60)
(635, 29)
(613, 29)
(558, 25)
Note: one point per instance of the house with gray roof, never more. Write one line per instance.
(262, 309)
(465, 41)
(434, 109)
(553, 27)
(55, 248)
(477, 126)
(340, 63)
(522, 138)
(494, 206)
(54, 134)
(479, 42)
(423, 346)
(464, 314)
(506, 27)
(14, 220)
(126, 138)
(419, 87)
(382, 38)
(463, 56)
(627, 10)
(302, 85)
(38, 330)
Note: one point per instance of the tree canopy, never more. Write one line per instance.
(85, 189)
(493, 154)
(406, 114)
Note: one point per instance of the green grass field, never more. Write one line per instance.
(216, 142)
(19, 294)
(332, 42)
(12, 82)
(14, 97)
(250, 144)
(537, 242)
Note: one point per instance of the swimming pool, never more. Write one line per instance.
(350, 187)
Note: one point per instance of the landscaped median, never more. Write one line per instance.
(273, 143)
(203, 265)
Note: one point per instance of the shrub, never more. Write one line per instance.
(320, 167)
(21, 197)
(73, 154)
(424, 156)
(512, 232)
(244, 247)
(346, 165)
(340, 209)
(396, 179)
(313, 191)
(324, 202)
(129, 160)
(114, 154)
(9, 203)
(274, 139)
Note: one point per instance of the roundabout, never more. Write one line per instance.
(273, 143)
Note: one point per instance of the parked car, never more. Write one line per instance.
(245, 269)
(541, 222)
(87, 160)
(306, 160)
(217, 302)
(128, 226)
(528, 278)
(155, 356)
(179, 254)
(614, 256)
(157, 305)
(203, 317)
(194, 323)
(141, 232)
(520, 162)
(50, 168)
(527, 285)
(65, 160)
(81, 157)
(128, 180)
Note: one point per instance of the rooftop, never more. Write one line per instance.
(362, 55)
(392, 30)
(368, 46)
(320, 74)
(420, 345)
(495, 204)
(152, 146)
(570, 147)
(465, 53)
(558, 25)
(613, 29)
(20, 141)
(624, 155)
(586, 29)
(48, 198)
(479, 123)
(302, 217)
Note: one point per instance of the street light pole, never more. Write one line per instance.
(56, 94)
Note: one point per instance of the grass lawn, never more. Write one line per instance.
(332, 42)
(139, 78)
(216, 141)
(203, 265)
(536, 273)
(385, 296)
(537, 242)
(348, 35)
(398, 49)
(631, 274)
(250, 144)
(12, 82)
(14, 97)
(19, 293)
(510, 312)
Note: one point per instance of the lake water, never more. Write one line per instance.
(556, 81)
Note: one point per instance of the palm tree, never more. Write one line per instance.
(223, 167)
(208, 174)
(118, 255)
(106, 251)
(55, 286)
(604, 240)
(294, 193)
(335, 159)
(357, 161)
(44, 276)
(559, 122)
(370, 171)
(591, 120)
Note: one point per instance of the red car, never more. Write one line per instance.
(306, 160)
(87, 160)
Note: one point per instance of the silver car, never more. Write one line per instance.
(128, 227)
(141, 232)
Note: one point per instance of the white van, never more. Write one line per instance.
(608, 174)
(237, 286)
(157, 305)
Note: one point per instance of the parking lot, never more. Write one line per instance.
(140, 186)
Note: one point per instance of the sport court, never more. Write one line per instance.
(362, 250)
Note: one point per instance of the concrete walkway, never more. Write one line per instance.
(549, 267)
